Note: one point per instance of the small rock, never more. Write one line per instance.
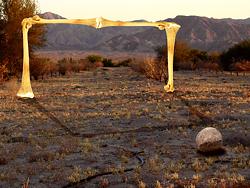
(208, 140)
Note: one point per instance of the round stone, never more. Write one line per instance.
(209, 139)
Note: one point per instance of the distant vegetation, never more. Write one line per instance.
(234, 59)
(41, 68)
(237, 57)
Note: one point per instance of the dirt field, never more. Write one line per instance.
(115, 128)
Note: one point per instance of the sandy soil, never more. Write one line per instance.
(115, 128)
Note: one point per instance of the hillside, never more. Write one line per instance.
(199, 32)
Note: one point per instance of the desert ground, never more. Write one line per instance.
(115, 128)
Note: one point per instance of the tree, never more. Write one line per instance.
(107, 62)
(238, 53)
(12, 12)
(94, 58)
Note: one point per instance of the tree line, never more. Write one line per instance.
(188, 58)
(41, 68)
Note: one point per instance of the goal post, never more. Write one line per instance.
(170, 28)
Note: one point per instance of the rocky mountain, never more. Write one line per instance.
(212, 34)
(199, 32)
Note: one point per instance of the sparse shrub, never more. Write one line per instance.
(155, 164)
(94, 58)
(89, 172)
(86, 146)
(39, 67)
(85, 65)
(76, 175)
(63, 66)
(107, 62)
(125, 63)
(75, 66)
(155, 69)
(52, 68)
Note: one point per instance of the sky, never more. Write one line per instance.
(151, 10)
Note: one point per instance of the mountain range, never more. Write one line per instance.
(198, 32)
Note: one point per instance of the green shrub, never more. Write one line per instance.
(94, 58)
(107, 62)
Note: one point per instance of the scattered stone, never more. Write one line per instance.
(209, 140)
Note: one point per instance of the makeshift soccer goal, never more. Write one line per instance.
(171, 29)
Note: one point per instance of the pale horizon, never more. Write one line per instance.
(151, 10)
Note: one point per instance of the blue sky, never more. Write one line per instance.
(150, 10)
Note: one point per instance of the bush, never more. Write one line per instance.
(152, 68)
(238, 53)
(241, 66)
(52, 68)
(74, 65)
(39, 67)
(156, 69)
(85, 65)
(107, 62)
(63, 66)
(125, 63)
(94, 58)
